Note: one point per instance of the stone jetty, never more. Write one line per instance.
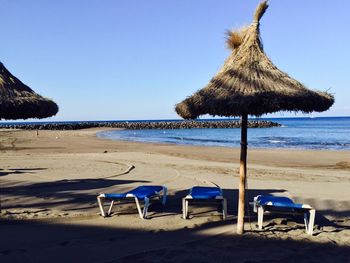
(141, 125)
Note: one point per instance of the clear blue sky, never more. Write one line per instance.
(118, 60)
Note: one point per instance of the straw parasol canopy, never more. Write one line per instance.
(18, 101)
(250, 84)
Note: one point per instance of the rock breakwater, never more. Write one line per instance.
(141, 125)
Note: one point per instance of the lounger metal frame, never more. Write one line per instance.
(220, 198)
(161, 195)
(306, 210)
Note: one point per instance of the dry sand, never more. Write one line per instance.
(49, 185)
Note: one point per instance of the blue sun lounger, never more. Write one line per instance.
(144, 193)
(283, 205)
(206, 194)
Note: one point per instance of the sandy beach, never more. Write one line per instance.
(49, 185)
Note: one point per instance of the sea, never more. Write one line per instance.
(320, 133)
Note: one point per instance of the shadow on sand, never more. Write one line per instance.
(82, 192)
(103, 241)
(35, 241)
(4, 172)
(63, 192)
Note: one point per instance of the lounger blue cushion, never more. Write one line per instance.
(115, 196)
(199, 192)
(277, 201)
(140, 192)
(146, 191)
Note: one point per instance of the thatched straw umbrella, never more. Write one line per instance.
(18, 101)
(250, 84)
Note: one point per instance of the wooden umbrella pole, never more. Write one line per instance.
(242, 174)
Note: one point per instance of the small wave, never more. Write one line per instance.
(202, 140)
(276, 141)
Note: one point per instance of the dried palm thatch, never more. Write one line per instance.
(249, 83)
(235, 38)
(18, 101)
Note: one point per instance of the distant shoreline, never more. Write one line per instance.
(317, 134)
